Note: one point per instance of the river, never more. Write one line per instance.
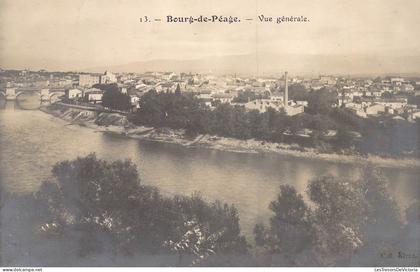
(31, 142)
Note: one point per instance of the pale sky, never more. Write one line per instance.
(76, 34)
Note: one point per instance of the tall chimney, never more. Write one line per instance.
(286, 91)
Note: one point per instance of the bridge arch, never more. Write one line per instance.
(23, 92)
(51, 94)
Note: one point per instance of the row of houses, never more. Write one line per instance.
(366, 107)
(262, 105)
(274, 101)
(91, 95)
(364, 97)
(94, 95)
(347, 94)
(88, 80)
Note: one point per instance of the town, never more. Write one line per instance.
(240, 133)
(164, 123)
(329, 113)
(389, 96)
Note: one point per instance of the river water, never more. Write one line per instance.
(31, 142)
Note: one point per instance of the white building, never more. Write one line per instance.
(278, 103)
(329, 80)
(397, 81)
(108, 78)
(276, 97)
(358, 112)
(375, 109)
(73, 93)
(407, 88)
(302, 103)
(205, 96)
(222, 97)
(294, 110)
(88, 80)
(396, 103)
(262, 105)
(94, 95)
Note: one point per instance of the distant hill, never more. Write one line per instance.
(276, 64)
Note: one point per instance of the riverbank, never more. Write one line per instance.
(118, 124)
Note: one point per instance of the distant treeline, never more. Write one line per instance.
(380, 136)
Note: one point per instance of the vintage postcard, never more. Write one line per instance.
(182, 133)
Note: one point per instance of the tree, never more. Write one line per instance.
(321, 101)
(383, 230)
(347, 219)
(107, 206)
(174, 110)
(178, 89)
(113, 98)
(339, 215)
(384, 216)
(291, 229)
(298, 92)
(344, 139)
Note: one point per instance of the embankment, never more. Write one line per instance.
(118, 124)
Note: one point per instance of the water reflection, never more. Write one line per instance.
(2, 102)
(28, 101)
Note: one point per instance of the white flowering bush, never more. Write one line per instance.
(195, 241)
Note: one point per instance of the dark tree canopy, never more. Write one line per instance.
(184, 111)
(298, 92)
(113, 98)
(321, 101)
(346, 217)
(107, 204)
(291, 230)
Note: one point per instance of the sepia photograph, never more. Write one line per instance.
(218, 133)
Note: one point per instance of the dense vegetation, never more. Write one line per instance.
(113, 98)
(345, 222)
(92, 207)
(381, 136)
(106, 203)
(185, 112)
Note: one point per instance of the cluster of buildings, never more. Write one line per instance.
(277, 101)
(363, 96)
(209, 90)
(91, 95)
(385, 97)
(212, 90)
(83, 90)
(88, 80)
(74, 86)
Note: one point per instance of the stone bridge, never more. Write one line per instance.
(43, 93)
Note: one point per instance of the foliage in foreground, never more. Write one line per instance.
(101, 209)
(342, 224)
(108, 206)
